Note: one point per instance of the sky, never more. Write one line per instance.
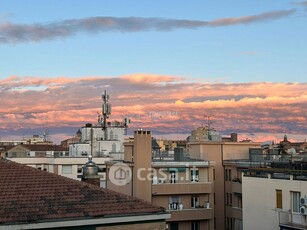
(166, 65)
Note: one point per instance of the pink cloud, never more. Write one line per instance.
(165, 104)
(150, 78)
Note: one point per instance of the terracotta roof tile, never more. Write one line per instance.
(31, 195)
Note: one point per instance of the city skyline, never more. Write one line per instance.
(166, 66)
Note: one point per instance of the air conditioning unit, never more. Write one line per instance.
(303, 210)
(303, 200)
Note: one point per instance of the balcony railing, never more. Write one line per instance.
(236, 187)
(289, 220)
(191, 214)
(182, 188)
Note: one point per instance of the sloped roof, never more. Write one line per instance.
(29, 195)
(5, 148)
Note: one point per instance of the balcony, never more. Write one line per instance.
(234, 212)
(182, 188)
(236, 187)
(191, 214)
(288, 220)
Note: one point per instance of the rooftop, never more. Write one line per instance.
(42, 147)
(28, 195)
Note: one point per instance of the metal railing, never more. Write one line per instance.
(291, 219)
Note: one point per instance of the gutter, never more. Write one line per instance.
(87, 222)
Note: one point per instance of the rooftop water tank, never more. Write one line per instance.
(90, 168)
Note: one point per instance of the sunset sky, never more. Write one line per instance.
(165, 64)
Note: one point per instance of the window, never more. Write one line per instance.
(194, 201)
(237, 224)
(194, 175)
(227, 199)
(114, 148)
(278, 198)
(174, 226)
(111, 135)
(213, 174)
(66, 169)
(174, 202)
(227, 223)
(295, 201)
(239, 201)
(173, 177)
(226, 174)
(195, 225)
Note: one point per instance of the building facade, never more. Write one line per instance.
(184, 187)
(227, 211)
(275, 199)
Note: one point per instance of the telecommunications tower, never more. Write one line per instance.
(106, 111)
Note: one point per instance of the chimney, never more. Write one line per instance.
(234, 137)
(142, 156)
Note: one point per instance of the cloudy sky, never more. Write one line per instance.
(165, 64)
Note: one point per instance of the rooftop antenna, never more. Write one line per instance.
(208, 116)
(46, 133)
(99, 118)
(106, 111)
(126, 122)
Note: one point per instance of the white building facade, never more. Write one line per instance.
(94, 142)
(274, 201)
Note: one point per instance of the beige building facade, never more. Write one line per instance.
(227, 210)
(273, 201)
(184, 188)
(70, 167)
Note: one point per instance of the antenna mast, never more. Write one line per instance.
(208, 116)
(106, 111)
(46, 133)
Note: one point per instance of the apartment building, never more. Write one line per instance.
(183, 186)
(275, 196)
(52, 158)
(268, 155)
(70, 167)
(227, 208)
(233, 193)
(170, 145)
